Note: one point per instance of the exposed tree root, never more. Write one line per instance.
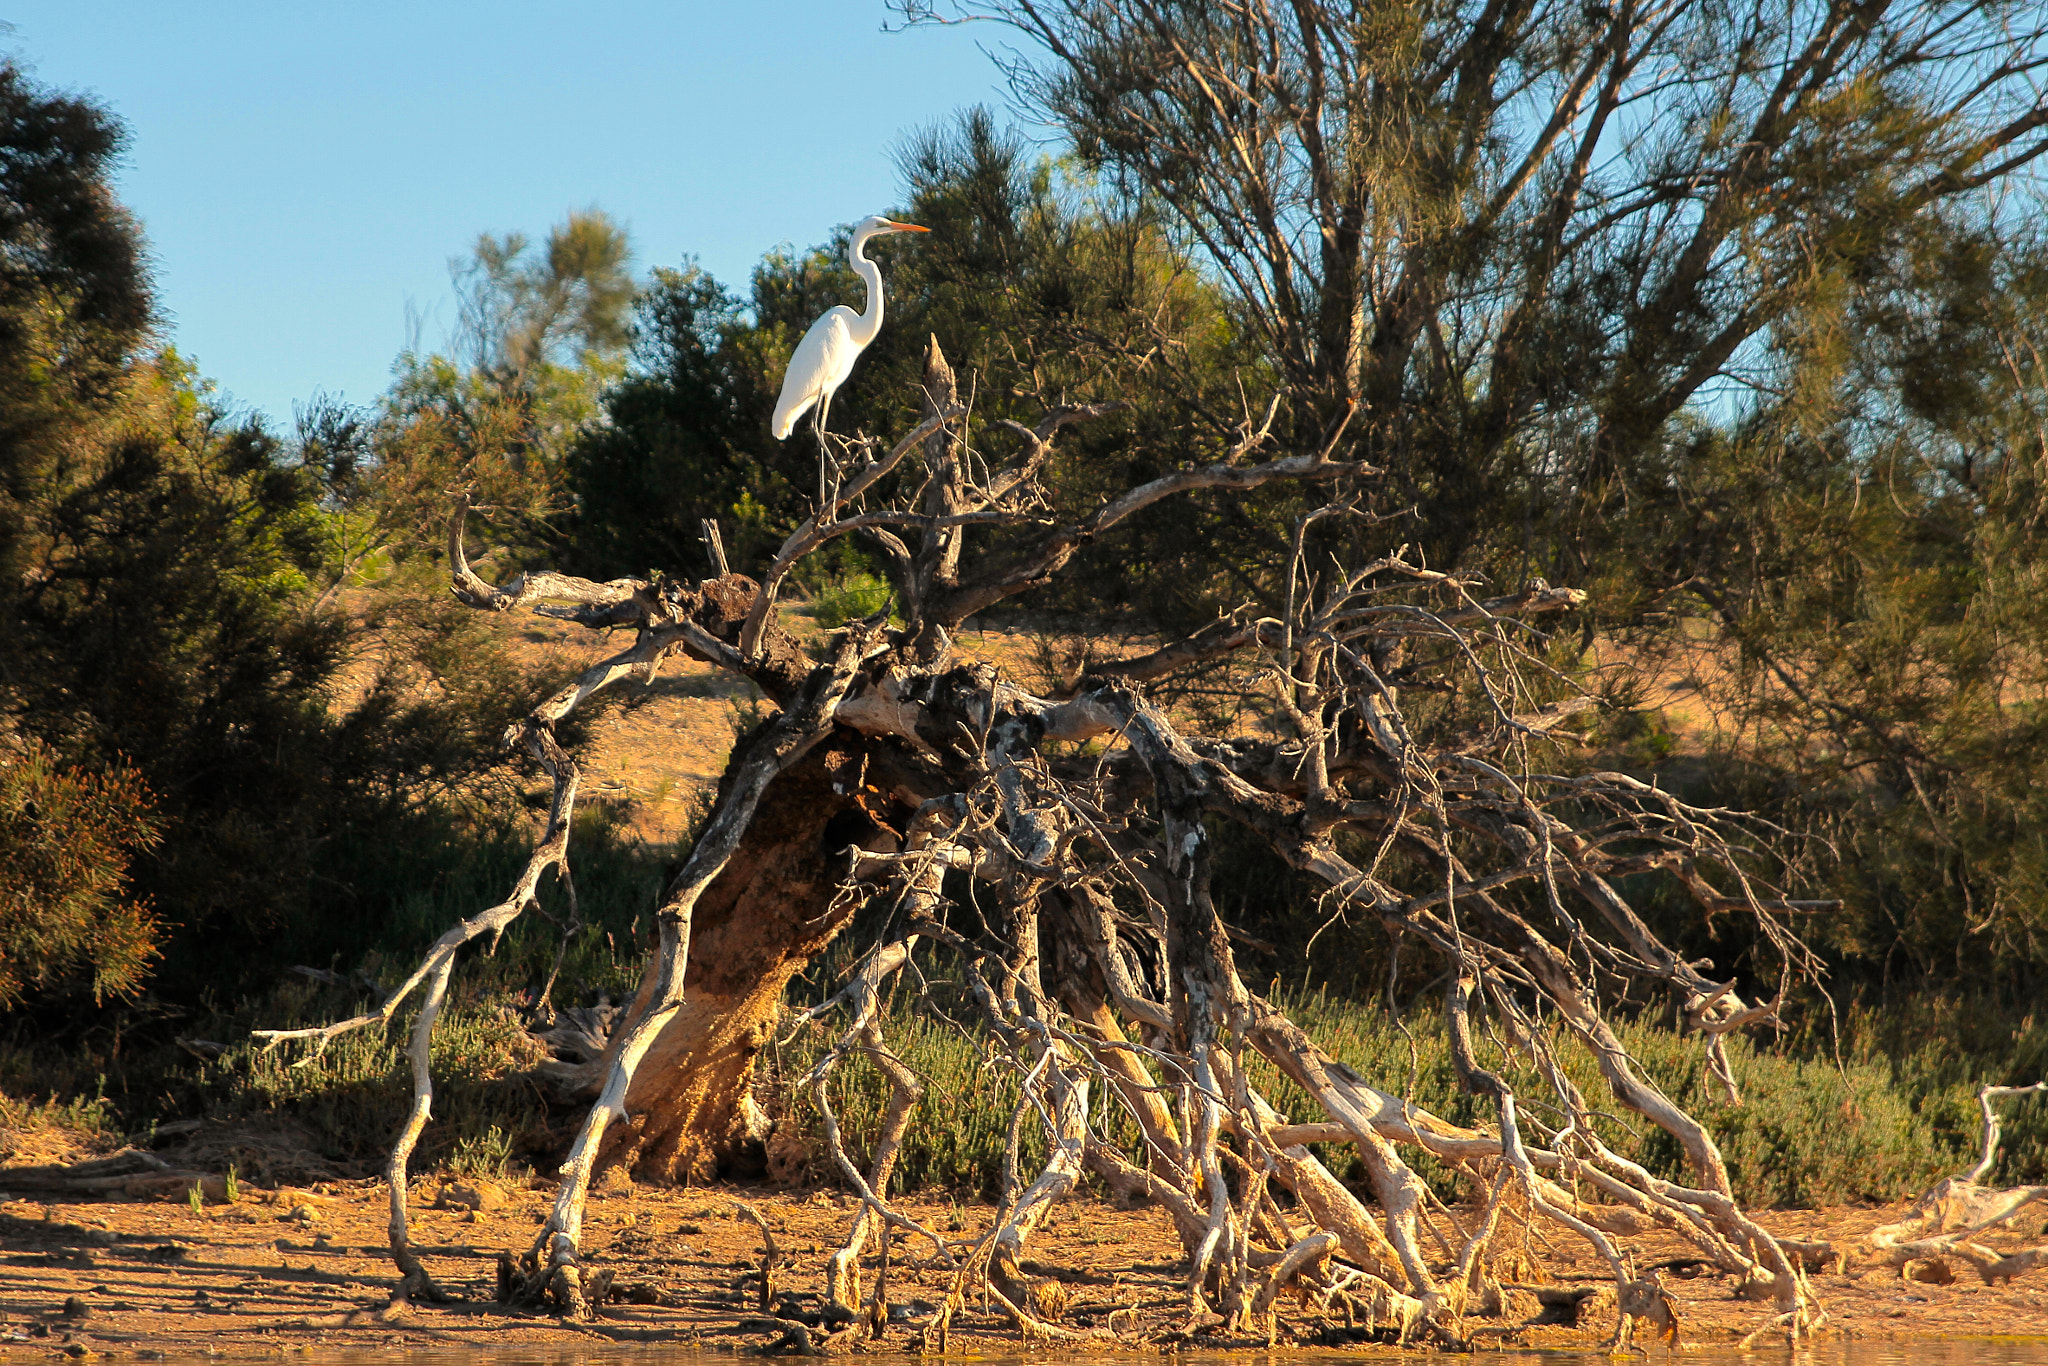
(1082, 827)
(1947, 1220)
(770, 1255)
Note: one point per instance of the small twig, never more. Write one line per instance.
(714, 545)
(770, 1255)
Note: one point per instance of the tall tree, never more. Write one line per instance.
(541, 335)
(685, 438)
(1575, 262)
(168, 688)
(1863, 551)
(74, 297)
(523, 310)
(1524, 236)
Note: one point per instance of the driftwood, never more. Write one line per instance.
(1950, 1220)
(132, 1172)
(1098, 966)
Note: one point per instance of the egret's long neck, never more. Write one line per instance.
(870, 322)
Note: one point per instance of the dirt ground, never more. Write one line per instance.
(305, 1269)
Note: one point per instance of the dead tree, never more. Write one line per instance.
(1086, 818)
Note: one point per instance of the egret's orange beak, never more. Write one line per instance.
(907, 227)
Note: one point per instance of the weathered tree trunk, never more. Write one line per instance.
(764, 918)
(892, 766)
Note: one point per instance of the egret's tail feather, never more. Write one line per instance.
(788, 414)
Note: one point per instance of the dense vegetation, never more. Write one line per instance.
(240, 730)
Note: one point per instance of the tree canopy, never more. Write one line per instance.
(172, 691)
(1526, 236)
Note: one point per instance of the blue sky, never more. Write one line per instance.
(305, 171)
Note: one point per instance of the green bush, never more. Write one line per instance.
(852, 597)
(1808, 1133)
(959, 1130)
(352, 1098)
(1938, 1050)
(66, 836)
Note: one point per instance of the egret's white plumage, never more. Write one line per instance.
(825, 357)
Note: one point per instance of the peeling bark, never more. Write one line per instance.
(763, 918)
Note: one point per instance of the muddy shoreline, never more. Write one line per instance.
(305, 1269)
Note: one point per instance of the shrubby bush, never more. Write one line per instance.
(66, 838)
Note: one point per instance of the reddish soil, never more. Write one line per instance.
(300, 1269)
(304, 1269)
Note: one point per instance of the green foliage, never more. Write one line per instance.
(74, 293)
(958, 1132)
(442, 430)
(85, 1113)
(1808, 1133)
(409, 896)
(685, 438)
(165, 624)
(152, 623)
(1411, 215)
(66, 838)
(351, 1098)
(523, 313)
(1046, 285)
(1860, 562)
(852, 598)
(357, 1094)
(488, 1154)
(1939, 1049)
(541, 336)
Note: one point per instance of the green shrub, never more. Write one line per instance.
(959, 1130)
(352, 1098)
(852, 597)
(1807, 1133)
(66, 836)
(89, 1119)
(1938, 1049)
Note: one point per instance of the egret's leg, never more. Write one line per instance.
(826, 465)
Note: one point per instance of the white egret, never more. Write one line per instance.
(825, 357)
